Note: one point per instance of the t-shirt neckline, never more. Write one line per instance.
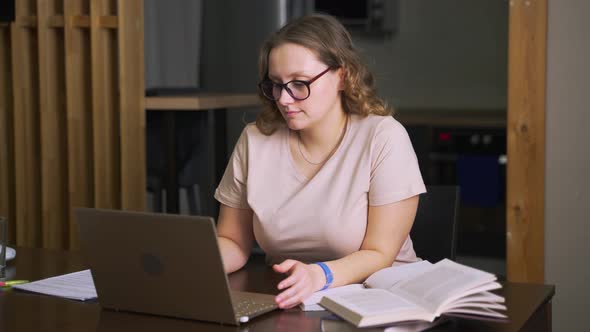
(300, 176)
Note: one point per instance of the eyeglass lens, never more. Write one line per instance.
(296, 89)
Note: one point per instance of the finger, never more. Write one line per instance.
(295, 296)
(289, 281)
(293, 304)
(290, 297)
(284, 266)
(290, 286)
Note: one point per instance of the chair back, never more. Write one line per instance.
(434, 233)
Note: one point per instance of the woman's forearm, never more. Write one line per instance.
(382, 243)
(357, 266)
(234, 257)
(235, 237)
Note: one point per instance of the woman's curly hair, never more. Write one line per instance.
(331, 42)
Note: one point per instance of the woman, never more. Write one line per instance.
(326, 181)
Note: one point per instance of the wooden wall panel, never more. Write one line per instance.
(133, 169)
(104, 110)
(7, 192)
(526, 140)
(54, 166)
(27, 150)
(79, 112)
(72, 118)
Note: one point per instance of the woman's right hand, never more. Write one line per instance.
(302, 281)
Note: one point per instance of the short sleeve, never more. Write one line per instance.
(395, 174)
(232, 190)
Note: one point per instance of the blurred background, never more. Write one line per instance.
(441, 64)
(71, 123)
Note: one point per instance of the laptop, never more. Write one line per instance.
(162, 264)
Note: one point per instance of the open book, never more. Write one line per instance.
(384, 278)
(332, 325)
(445, 287)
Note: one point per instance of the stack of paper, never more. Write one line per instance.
(76, 286)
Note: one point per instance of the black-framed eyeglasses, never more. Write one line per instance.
(298, 89)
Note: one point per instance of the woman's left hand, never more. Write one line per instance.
(303, 280)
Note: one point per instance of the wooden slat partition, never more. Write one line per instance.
(131, 66)
(27, 150)
(72, 123)
(26, 21)
(526, 141)
(55, 21)
(7, 193)
(105, 110)
(54, 179)
(79, 115)
(79, 21)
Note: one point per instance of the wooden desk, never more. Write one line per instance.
(201, 102)
(215, 105)
(529, 306)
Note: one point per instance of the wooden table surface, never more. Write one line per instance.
(528, 305)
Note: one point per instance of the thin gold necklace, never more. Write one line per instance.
(331, 152)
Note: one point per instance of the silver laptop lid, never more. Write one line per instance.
(156, 263)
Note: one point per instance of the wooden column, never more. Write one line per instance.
(131, 66)
(53, 130)
(105, 108)
(79, 109)
(27, 147)
(526, 140)
(7, 189)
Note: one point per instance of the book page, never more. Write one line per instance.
(477, 304)
(487, 296)
(389, 277)
(384, 278)
(311, 302)
(442, 283)
(76, 286)
(484, 298)
(370, 302)
(479, 300)
(477, 311)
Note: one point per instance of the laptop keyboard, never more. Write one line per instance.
(251, 306)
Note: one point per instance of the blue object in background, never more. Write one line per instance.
(479, 179)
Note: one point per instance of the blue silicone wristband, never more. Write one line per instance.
(328, 273)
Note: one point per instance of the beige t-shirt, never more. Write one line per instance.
(323, 218)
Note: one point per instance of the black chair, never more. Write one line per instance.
(189, 132)
(189, 157)
(434, 232)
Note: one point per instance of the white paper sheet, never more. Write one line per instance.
(76, 286)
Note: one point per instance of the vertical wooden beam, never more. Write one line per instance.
(26, 129)
(54, 167)
(526, 140)
(104, 111)
(79, 112)
(7, 192)
(131, 81)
